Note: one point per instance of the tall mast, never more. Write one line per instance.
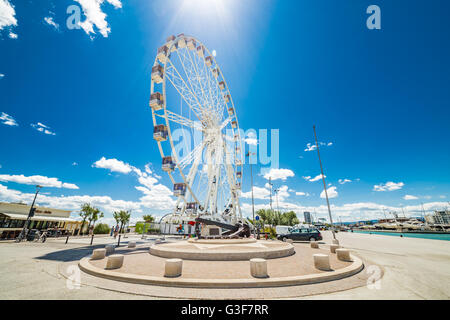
(324, 184)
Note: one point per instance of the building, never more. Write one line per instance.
(308, 218)
(14, 215)
(439, 217)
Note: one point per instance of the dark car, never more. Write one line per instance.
(301, 234)
(54, 233)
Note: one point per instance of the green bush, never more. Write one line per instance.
(140, 227)
(102, 228)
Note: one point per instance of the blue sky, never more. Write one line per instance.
(74, 112)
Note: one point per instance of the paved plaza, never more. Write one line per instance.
(409, 269)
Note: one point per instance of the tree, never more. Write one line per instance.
(85, 213)
(148, 218)
(122, 217)
(95, 215)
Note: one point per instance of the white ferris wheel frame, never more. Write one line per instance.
(191, 95)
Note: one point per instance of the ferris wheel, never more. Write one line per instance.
(197, 130)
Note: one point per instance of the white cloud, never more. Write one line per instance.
(344, 181)
(332, 193)
(7, 14)
(156, 196)
(13, 35)
(50, 21)
(7, 119)
(441, 196)
(349, 211)
(95, 16)
(113, 165)
(388, 186)
(1, 75)
(312, 146)
(316, 178)
(74, 164)
(37, 180)
(276, 174)
(306, 194)
(43, 128)
(410, 197)
(258, 193)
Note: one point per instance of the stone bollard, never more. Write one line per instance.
(98, 254)
(173, 268)
(131, 244)
(314, 244)
(343, 254)
(333, 248)
(322, 262)
(115, 261)
(335, 241)
(258, 268)
(110, 248)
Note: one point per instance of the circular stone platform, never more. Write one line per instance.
(140, 267)
(223, 249)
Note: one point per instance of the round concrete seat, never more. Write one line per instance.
(110, 249)
(333, 248)
(343, 254)
(132, 244)
(98, 254)
(314, 244)
(289, 241)
(322, 262)
(258, 268)
(335, 241)
(115, 261)
(173, 268)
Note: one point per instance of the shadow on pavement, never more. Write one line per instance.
(74, 254)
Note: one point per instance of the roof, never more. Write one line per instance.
(37, 218)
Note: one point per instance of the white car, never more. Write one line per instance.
(282, 230)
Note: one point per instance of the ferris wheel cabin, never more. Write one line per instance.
(191, 44)
(239, 174)
(201, 51)
(179, 189)
(167, 164)
(157, 73)
(156, 101)
(191, 207)
(162, 53)
(234, 124)
(230, 111)
(160, 132)
(216, 72)
(222, 85)
(181, 41)
(208, 61)
(226, 97)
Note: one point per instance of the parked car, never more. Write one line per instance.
(301, 234)
(54, 233)
(280, 230)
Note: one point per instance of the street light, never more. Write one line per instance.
(251, 178)
(24, 231)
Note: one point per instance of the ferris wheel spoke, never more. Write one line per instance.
(175, 117)
(188, 67)
(189, 158)
(197, 76)
(183, 89)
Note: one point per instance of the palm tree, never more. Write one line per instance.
(96, 214)
(122, 217)
(85, 213)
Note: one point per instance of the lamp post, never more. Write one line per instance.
(24, 231)
(251, 178)
(324, 184)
